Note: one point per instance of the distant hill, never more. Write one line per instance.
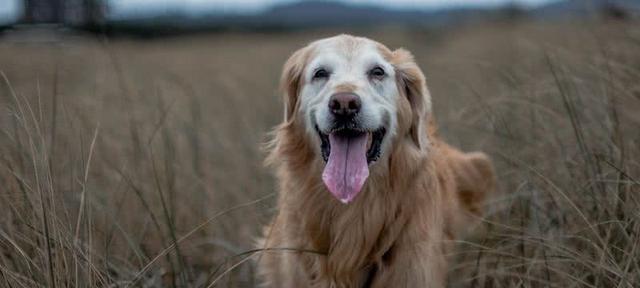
(327, 13)
(582, 8)
(316, 13)
(308, 14)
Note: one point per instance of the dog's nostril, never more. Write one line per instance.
(334, 104)
(354, 105)
(345, 104)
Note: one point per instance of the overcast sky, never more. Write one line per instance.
(10, 9)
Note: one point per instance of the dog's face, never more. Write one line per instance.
(353, 96)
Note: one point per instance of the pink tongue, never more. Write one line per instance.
(347, 167)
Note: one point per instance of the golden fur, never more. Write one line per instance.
(398, 231)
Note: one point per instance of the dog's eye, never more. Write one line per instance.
(321, 74)
(377, 73)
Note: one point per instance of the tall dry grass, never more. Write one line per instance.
(128, 163)
(558, 109)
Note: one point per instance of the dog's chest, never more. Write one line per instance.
(353, 242)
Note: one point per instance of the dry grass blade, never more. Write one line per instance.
(195, 229)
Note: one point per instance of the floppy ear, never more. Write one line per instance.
(412, 85)
(291, 81)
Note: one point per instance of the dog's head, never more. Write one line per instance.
(355, 99)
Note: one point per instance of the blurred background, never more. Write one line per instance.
(131, 133)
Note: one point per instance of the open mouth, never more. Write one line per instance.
(373, 147)
(348, 153)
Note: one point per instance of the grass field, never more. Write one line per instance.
(137, 163)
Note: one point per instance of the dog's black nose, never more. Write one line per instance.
(345, 105)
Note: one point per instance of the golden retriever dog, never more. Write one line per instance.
(370, 196)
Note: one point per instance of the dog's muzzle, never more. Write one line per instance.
(348, 149)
